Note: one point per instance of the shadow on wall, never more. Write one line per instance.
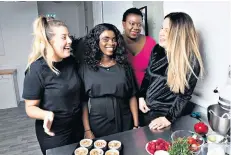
(203, 55)
(202, 51)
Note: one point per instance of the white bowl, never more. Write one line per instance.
(102, 142)
(99, 151)
(112, 152)
(87, 143)
(146, 147)
(215, 138)
(114, 144)
(161, 152)
(81, 151)
(215, 149)
(166, 143)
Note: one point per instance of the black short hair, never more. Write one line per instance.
(132, 11)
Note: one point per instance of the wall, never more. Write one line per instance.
(72, 13)
(16, 23)
(2, 49)
(113, 12)
(155, 16)
(212, 21)
(97, 8)
(214, 33)
(89, 22)
(16, 20)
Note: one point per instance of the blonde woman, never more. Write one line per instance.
(172, 74)
(52, 86)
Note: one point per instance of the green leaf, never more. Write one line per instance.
(180, 146)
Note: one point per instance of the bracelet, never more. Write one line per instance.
(87, 130)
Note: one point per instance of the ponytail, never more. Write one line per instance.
(41, 47)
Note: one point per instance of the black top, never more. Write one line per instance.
(155, 90)
(58, 93)
(108, 81)
(109, 90)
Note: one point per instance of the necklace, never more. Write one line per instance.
(107, 65)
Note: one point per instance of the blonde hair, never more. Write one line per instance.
(182, 48)
(41, 47)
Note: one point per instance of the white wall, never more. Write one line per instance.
(16, 20)
(97, 8)
(113, 12)
(80, 19)
(16, 23)
(70, 12)
(2, 50)
(155, 16)
(212, 21)
(89, 22)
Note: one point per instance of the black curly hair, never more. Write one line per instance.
(78, 48)
(93, 54)
(131, 11)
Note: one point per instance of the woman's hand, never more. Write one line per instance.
(89, 134)
(159, 123)
(47, 123)
(143, 106)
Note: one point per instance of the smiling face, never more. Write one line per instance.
(61, 42)
(132, 26)
(164, 32)
(107, 43)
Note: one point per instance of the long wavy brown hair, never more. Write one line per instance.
(182, 48)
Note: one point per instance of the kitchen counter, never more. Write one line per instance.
(134, 141)
(9, 92)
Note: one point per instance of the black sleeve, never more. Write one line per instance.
(33, 84)
(146, 80)
(133, 87)
(84, 96)
(182, 99)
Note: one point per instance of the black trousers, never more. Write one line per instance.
(67, 131)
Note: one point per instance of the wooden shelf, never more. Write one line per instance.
(7, 71)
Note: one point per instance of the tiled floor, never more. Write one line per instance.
(17, 133)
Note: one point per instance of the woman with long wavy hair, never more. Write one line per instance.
(174, 68)
(110, 87)
(52, 86)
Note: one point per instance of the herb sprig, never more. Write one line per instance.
(180, 147)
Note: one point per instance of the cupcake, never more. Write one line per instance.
(100, 144)
(114, 144)
(81, 151)
(87, 143)
(112, 152)
(96, 152)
